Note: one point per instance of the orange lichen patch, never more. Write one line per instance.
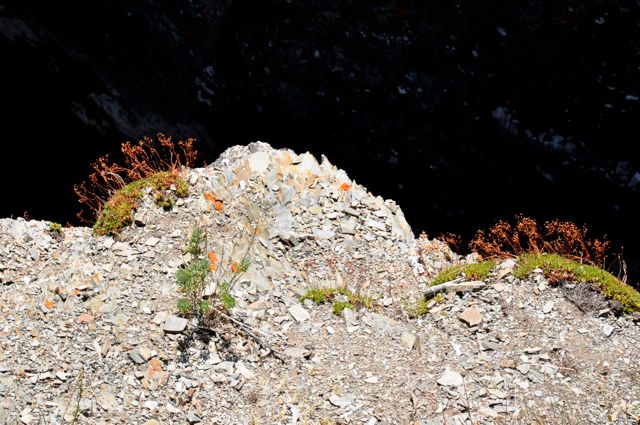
(21, 373)
(209, 197)
(213, 259)
(155, 364)
(218, 205)
(49, 304)
(345, 186)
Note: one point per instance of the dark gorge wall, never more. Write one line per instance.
(463, 112)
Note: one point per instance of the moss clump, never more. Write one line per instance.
(325, 295)
(476, 271)
(166, 202)
(55, 227)
(182, 188)
(612, 287)
(422, 307)
(117, 211)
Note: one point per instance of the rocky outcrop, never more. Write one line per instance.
(92, 331)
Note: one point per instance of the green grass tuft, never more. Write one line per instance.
(339, 306)
(324, 295)
(476, 271)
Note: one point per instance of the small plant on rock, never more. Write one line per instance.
(194, 283)
(474, 271)
(55, 227)
(340, 298)
(110, 194)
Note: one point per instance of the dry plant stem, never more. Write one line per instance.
(79, 391)
(249, 331)
(466, 395)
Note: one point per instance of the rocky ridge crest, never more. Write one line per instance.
(90, 322)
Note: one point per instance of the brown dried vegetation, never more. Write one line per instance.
(526, 236)
(161, 162)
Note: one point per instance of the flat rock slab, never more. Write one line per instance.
(450, 378)
(343, 401)
(299, 313)
(471, 316)
(175, 324)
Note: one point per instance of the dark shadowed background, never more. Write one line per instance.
(463, 112)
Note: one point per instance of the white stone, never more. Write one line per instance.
(607, 329)
(152, 241)
(259, 162)
(343, 401)
(408, 340)
(450, 378)
(299, 313)
(172, 409)
(175, 324)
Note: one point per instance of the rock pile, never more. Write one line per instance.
(89, 328)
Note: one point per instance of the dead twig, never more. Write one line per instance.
(456, 285)
(249, 331)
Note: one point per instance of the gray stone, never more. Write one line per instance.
(175, 324)
(323, 234)
(136, 357)
(296, 353)
(348, 227)
(152, 241)
(408, 340)
(349, 316)
(192, 418)
(259, 162)
(376, 225)
(151, 404)
(352, 212)
(490, 345)
(535, 376)
(379, 322)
